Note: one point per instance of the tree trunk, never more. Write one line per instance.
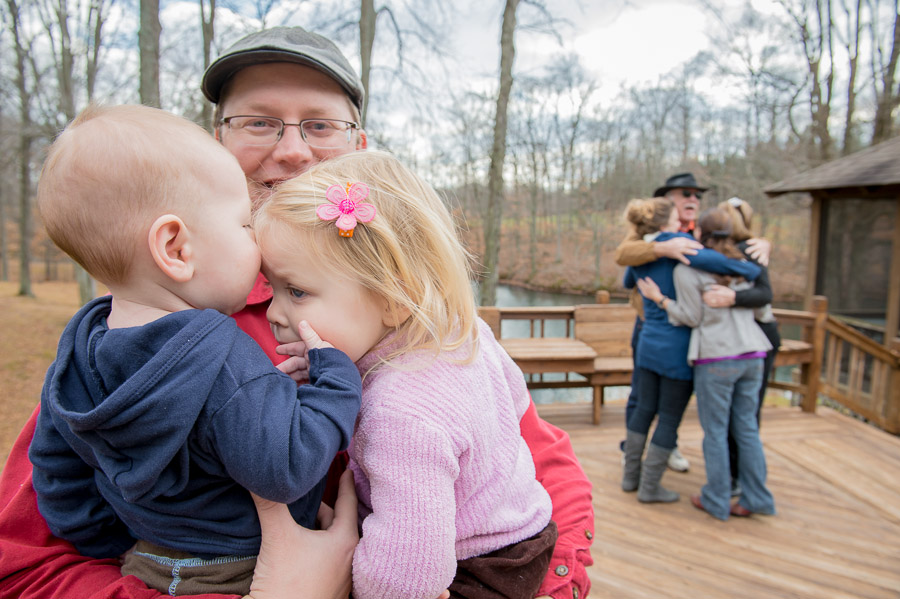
(366, 43)
(888, 96)
(148, 41)
(24, 150)
(207, 29)
(65, 75)
(852, 46)
(498, 155)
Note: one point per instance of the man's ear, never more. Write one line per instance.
(171, 249)
(363, 142)
(393, 316)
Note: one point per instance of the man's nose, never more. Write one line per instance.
(292, 148)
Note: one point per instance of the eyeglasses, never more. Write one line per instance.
(686, 193)
(267, 130)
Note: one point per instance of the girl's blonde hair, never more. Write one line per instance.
(741, 215)
(650, 215)
(409, 254)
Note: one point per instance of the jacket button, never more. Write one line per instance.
(562, 570)
(589, 535)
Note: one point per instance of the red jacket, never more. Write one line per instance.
(36, 565)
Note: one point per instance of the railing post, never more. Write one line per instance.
(812, 372)
(601, 297)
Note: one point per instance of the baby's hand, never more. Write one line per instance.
(296, 366)
(311, 338)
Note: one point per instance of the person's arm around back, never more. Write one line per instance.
(634, 251)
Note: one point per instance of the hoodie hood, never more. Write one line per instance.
(127, 399)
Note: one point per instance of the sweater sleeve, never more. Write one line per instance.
(560, 473)
(757, 296)
(411, 468)
(688, 309)
(278, 440)
(713, 261)
(36, 565)
(634, 251)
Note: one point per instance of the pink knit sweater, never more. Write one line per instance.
(441, 469)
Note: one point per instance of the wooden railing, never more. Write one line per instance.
(861, 375)
(830, 359)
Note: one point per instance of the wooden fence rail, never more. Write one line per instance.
(830, 358)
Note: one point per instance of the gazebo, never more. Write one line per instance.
(854, 237)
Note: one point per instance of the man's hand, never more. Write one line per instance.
(759, 249)
(677, 248)
(298, 562)
(719, 296)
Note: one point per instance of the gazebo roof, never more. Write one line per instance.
(875, 166)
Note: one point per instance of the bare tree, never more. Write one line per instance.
(207, 28)
(148, 42)
(66, 53)
(494, 215)
(884, 77)
(851, 46)
(22, 48)
(814, 28)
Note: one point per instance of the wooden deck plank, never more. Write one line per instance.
(836, 534)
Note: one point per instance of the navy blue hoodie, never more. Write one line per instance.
(157, 432)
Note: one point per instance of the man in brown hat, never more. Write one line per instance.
(684, 191)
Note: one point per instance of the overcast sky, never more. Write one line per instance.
(619, 41)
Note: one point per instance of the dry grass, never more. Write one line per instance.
(29, 331)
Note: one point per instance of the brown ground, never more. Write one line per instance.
(29, 330)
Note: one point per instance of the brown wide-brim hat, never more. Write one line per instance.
(283, 44)
(685, 180)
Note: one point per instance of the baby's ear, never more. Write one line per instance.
(171, 249)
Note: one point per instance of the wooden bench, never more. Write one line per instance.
(606, 329)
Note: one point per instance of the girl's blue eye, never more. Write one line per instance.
(296, 293)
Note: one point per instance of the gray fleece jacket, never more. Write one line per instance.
(717, 332)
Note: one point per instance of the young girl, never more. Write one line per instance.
(364, 252)
(663, 375)
(727, 349)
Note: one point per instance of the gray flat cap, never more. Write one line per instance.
(283, 44)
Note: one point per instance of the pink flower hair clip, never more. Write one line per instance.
(347, 207)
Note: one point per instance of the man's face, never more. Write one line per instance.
(292, 93)
(687, 201)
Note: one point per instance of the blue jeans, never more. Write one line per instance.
(664, 397)
(727, 396)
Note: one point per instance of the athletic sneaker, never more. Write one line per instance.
(678, 462)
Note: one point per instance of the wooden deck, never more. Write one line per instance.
(836, 483)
